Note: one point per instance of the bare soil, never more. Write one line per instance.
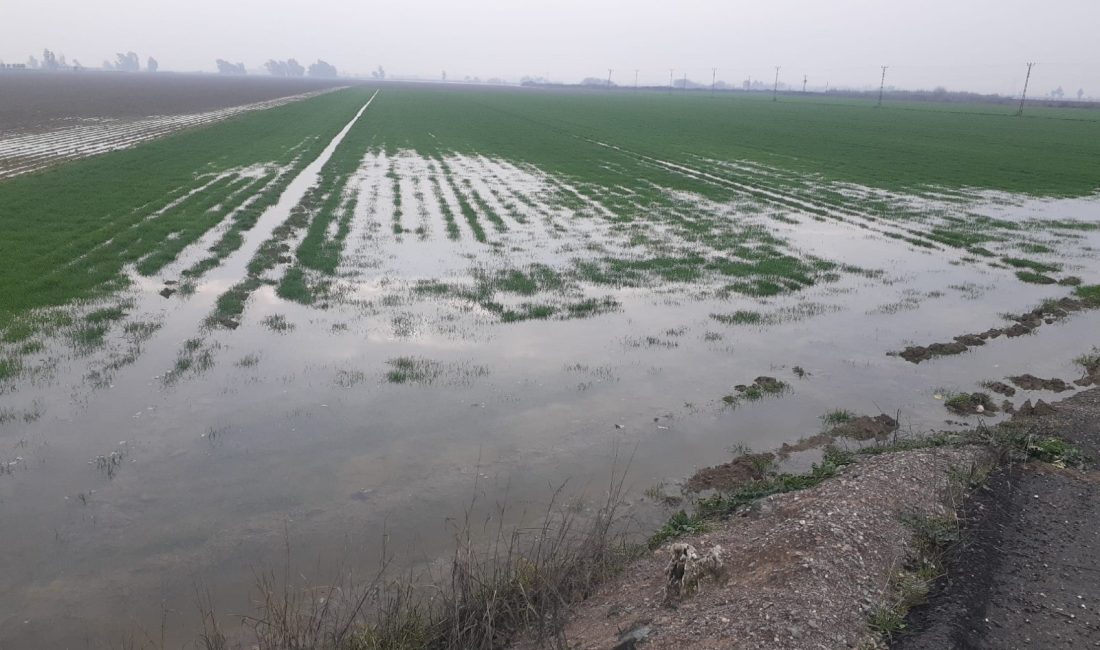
(31, 101)
(804, 568)
(1031, 382)
(728, 476)
(1025, 572)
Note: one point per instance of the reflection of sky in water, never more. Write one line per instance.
(314, 441)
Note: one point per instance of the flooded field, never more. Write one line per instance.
(309, 356)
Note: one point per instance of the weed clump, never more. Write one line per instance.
(277, 323)
(740, 317)
(406, 370)
(837, 417)
(1057, 452)
(970, 404)
(1089, 293)
(10, 368)
(760, 388)
(1032, 277)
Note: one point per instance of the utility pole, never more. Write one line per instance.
(713, 80)
(685, 86)
(804, 80)
(670, 82)
(775, 88)
(609, 78)
(635, 78)
(882, 85)
(1023, 97)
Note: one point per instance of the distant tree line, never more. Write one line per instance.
(225, 67)
(52, 62)
(288, 68)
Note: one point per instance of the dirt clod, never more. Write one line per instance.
(1000, 388)
(866, 427)
(728, 476)
(970, 340)
(971, 404)
(1018, 329)
(1027, 409)
(1031, 382)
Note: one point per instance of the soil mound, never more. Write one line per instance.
(731, 475)
(1031, 382)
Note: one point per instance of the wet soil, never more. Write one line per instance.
(1024, 574)
(971, 404)
(866, 427)
(1025, 323)
(1031, 382)
(1000, 388)
(729, 476)
(31, 101)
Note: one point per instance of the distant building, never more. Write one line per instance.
(13, 66)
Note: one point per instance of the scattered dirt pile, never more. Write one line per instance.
(1000, 388)
(1026, 323)
(763, 385)
(1031, 382)
(971, 404)
(803, 570)
(1029, 410)
(728, 476)
(866, 427)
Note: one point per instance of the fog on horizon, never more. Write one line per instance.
(979, 45)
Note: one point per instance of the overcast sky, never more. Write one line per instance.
(961, 44)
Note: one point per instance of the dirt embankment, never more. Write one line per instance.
(802, 569)
(813, 568)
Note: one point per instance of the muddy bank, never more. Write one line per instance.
(800, 570)
(839, 563)
(1024, 572)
